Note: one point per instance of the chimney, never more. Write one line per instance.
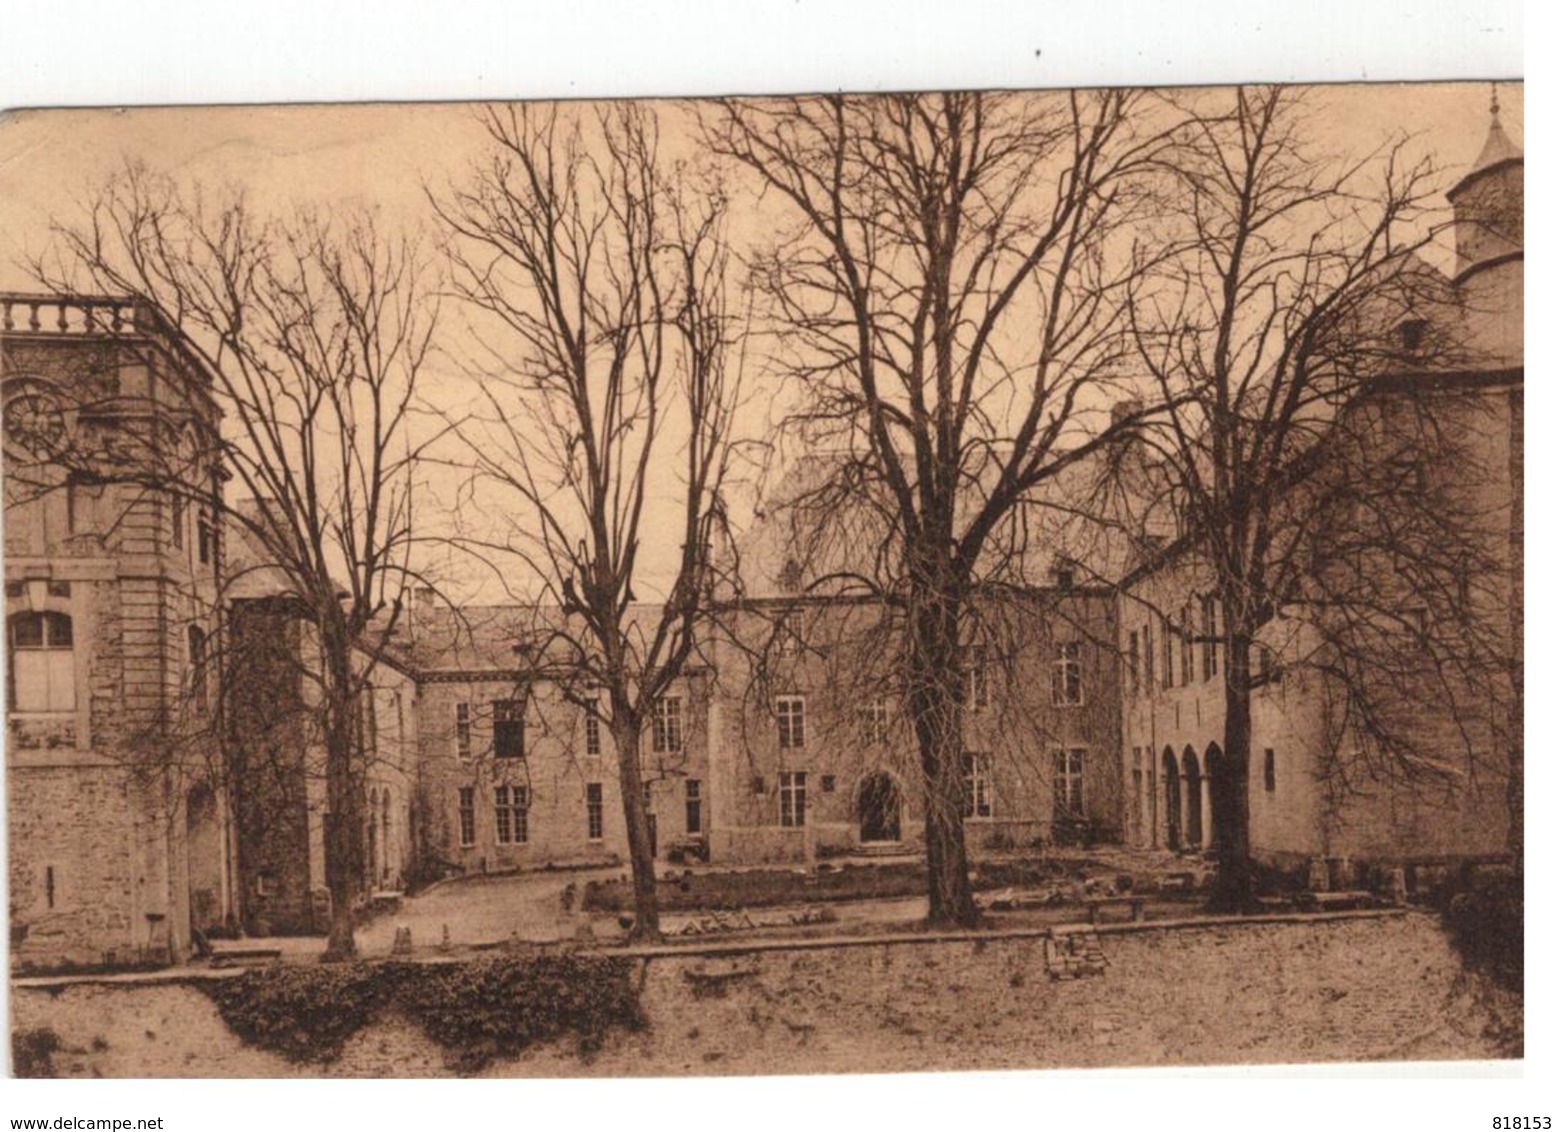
(1126, 408)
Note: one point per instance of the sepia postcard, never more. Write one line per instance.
(789, 584)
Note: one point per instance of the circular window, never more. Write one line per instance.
(34, 417)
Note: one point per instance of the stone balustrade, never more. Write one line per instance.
(71, 315)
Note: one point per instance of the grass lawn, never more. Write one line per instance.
(761, 888)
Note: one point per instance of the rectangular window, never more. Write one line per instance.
(593, 731)
(593, 810)
(978, 786)
(178, 522)
(874, 717)
(789, 716)
(977, 689)
(1167, 655)
(1270, 772)
(1068, 676)
(1132, 662)
(510, 806)
(1186, 633)
(666, 732)
(200, 695)
(204, 535)
(509, 729)
(467, 812)
(1068, 782)
(693, 806)
(1148, 657)
(43, 662)
(1210, 654)
(463, 732)
(1267, 670)
(793, 798)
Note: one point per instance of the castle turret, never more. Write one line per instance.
(1488, 201)
(1488, 228)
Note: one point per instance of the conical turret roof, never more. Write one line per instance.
(1497, 150)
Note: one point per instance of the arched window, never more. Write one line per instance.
(42, 662)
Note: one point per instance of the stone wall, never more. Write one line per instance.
(1371, 988)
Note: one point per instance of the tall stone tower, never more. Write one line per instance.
(116, 804)
(1488, 229)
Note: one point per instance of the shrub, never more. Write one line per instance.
(1486, 926)
(477, 1010)
(302, 1013)
(32, 1052)
(498, 1007)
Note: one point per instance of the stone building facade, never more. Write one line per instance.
(1465, 723)
(815, 756)
(278, 767)
(515, 772)
(117, 814)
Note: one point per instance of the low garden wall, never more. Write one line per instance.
(1349, 987)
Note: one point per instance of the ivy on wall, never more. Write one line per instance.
(476, 1011)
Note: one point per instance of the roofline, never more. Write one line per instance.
(1475, 174)
(1101, 590)
(1484, 265)
(157, 331)
(1450, 379)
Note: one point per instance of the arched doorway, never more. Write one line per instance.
(878, 808)
(1194, 793)
(1172, 779)
(1214, 777)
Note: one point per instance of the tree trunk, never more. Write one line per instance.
(343, 805)
(642, 863)
(936, 706)
(1515, 631)
(1234, 884)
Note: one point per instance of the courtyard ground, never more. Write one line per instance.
(529, 907)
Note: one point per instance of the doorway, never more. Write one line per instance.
(878, 808)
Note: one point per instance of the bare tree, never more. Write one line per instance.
(313, 333)
(1287, 297)
(597, 278)
(949, 322)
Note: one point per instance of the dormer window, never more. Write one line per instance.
(788, 636)
(1412, 333)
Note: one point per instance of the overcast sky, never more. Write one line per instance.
(385, 154)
